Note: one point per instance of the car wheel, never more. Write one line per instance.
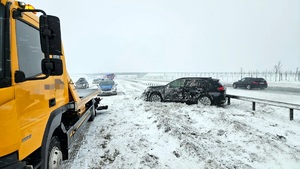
(204, 100)
(155, 97)
(248, 87)
(234, 86)
(55, 156)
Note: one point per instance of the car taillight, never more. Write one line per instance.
(254, 82)
(222, 88)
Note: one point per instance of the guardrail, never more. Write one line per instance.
(290, 106)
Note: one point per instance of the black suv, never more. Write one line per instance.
(203, 90)
(250, 83)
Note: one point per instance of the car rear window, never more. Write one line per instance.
(107, 82)
(81, 80)
(217, 83)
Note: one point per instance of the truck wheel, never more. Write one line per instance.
(55, 156)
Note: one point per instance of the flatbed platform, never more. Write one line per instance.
(85, 92)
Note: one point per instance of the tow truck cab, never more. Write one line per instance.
(41, 112)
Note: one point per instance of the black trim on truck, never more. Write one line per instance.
(5, 78)
(2, 23)
(11, 161)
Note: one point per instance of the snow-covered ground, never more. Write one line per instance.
(133, 133)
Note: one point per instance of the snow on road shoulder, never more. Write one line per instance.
(137, 134)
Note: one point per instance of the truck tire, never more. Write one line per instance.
(55, 156)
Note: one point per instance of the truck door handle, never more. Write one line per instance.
(52, 102)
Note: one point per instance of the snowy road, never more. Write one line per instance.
(137, 134)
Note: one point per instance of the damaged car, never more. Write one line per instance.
(190, 90)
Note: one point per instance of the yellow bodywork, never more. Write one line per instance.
(24, 107)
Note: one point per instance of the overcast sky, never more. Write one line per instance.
(177, 35)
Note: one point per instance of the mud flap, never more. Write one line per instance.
(97, 102)
(102, 107)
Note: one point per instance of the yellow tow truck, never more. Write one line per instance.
(41, 112)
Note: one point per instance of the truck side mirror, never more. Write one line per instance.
(54, 66)
(19, 76)
(50, 35)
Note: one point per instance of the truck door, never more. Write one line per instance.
(34, 98)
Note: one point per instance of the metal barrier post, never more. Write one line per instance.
(228, 100)
(290, 106)
(291, 114)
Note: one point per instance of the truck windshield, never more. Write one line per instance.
(1, 41)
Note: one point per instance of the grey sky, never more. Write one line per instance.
(177, 35)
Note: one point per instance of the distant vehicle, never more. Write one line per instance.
(250, 83)
(81, 83)
(110, 76)
(202, 90)
(96, 81)
(107, 87)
